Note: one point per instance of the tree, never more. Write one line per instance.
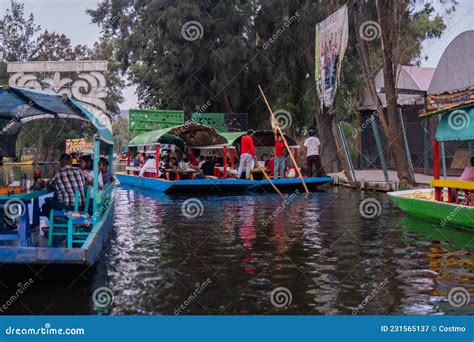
(401, 29)
(120, 128)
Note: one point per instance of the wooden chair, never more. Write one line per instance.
(74, 225)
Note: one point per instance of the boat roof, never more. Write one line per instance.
(455, 70)
(261, 138)
(191, 134)
(20, 105)
(412, 80)
(456, 124)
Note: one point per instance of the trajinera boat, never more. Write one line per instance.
(448, 202)
(74, 237)
(449, 102)
(195, 139)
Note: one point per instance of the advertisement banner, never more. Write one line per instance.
(331, 42)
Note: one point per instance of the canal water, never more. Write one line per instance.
(323, 254)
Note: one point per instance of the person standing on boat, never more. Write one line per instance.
(279, 161)
(64, 184)
(247, 154)
(312, 149)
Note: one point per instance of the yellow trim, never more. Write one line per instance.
(454, 184)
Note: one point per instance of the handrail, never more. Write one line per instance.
(454, 184)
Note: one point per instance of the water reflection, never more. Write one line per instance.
(319, 247)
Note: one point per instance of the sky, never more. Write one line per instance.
(70, 17)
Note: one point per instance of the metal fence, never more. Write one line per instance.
(419, 134)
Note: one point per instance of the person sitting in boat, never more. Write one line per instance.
(171, 166)
(279, 161)
(107, 176)
(138, 160)
(202, 160)
(86, 166)
(65, 182)
(468, 173)
(263, 160)
(208, 167)
(185, 164)
(247, 154)
(148, 167)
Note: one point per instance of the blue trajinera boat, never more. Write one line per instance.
(200, 138)
(219, 185)
(74, 237)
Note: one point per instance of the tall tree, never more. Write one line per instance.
(401, 28)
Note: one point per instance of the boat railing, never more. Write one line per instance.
(458, 192)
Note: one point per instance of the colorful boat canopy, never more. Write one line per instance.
(20, 105)
(190, 134)
(457, 124)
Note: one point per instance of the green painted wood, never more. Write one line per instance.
(444, 214)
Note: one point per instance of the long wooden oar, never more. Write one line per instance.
(274, 123)
(271, 183)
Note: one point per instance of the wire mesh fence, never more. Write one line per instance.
(420, 135)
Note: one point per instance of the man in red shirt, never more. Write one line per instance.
(247, 154)
(279, 164)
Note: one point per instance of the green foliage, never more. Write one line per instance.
(243, 44)
(120, 128)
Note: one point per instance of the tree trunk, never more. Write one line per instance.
(389, 20)
(387, 14)
(329, 152)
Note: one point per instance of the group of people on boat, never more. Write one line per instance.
(276, 164)
(185, 165)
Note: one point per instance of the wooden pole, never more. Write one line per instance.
(284, 139)
(271, 183)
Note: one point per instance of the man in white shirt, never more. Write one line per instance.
(312, 151)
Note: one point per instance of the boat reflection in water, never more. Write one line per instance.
(320, 249)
